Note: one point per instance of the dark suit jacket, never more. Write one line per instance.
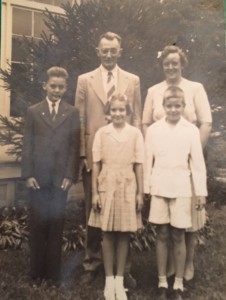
(51, 149)
(90, 99)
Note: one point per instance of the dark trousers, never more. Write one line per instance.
(93, 256)
(46, 230)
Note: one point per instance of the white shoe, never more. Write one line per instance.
(120, 291)
(109, 290)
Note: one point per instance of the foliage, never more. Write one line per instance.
(12, 137)
(14, 232)
(144, 239)
(74, 239)
(13, 227)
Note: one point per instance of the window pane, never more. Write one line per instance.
(17, 102)
(21, 21)
(17, 49)
(39, 24)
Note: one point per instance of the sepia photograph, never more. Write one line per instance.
(113, 150)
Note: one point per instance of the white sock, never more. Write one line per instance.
(109, 281)
(119, 280)
(178, 284)
(163, 282)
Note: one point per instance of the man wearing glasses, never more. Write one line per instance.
(94, 90)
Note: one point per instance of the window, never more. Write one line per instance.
(27, 23)
(22, 18)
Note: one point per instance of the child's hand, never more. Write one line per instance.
(139, 202)
(96, 203)
(32, 183)
(200, 202)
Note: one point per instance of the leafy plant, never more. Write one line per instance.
(144, 239)
(74, 239)
(12, 136)
(13, 227)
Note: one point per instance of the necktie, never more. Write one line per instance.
(110, 86)
(53, 112)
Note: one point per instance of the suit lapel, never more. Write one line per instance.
(123, 81)
(97, 84)
(60, 117)
(44, 112)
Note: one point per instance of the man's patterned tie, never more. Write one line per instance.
(110, 86)
(53, 112)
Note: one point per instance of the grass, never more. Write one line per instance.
(208, 284)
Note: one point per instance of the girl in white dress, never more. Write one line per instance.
(117, 200)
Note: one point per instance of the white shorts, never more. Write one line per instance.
(173, 211)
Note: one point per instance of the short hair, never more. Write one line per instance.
(121, 98)
(175, 92)
(56, 72)
(174, 49)
(110, 36)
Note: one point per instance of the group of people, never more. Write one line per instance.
(124, 157)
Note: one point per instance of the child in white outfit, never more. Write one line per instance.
(117, 183)
(173, 158)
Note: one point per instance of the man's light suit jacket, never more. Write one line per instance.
(91, 99)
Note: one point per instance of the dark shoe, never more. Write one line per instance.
(129, 281)
(88, 277)
(162, 293)
(177, 295)
(36, 282)
(52, 283)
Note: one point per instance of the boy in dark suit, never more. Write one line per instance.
(50, 163)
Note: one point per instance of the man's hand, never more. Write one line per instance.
(200, 202)
(32, 183)
(66, 184)
(83, 163)
(147, 197)
(96, 203)
(139, 202)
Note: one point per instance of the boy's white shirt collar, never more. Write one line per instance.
(56, 104)
(182, 121)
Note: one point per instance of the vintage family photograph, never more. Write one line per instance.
(113, 150)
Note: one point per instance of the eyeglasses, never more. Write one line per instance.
(59, 86)
(112, 51)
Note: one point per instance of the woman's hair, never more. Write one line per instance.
(174, 49)
(56, 72)
(121, 98)
(174, 92)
